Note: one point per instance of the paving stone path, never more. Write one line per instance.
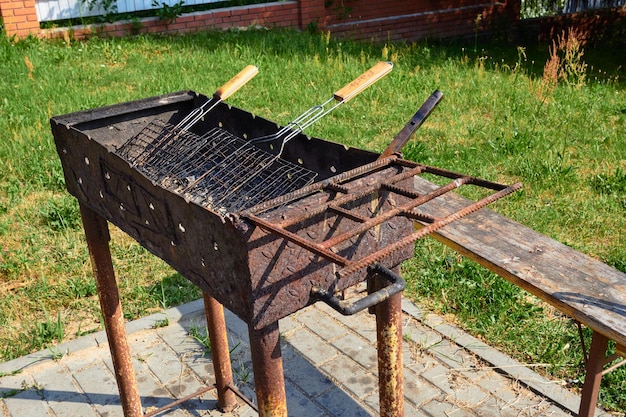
(329, 363)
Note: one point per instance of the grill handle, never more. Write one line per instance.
(363, 81)
(347, 308)
(416, 121)
(236, 82)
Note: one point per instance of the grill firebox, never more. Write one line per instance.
(262, 258)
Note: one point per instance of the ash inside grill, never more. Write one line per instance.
(216, 170)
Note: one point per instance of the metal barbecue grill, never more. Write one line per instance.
(264, 247)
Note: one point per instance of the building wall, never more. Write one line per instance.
(357, 19)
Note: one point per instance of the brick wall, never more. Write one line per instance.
(19, 17)
(281, 14)
(357, 19)
(412, 19)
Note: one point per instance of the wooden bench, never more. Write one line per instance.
(581, 287)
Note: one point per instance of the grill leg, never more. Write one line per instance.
(216, 327)
(267, 365)
(389, 341)
(97, 236)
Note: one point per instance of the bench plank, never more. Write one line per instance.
(581, 287)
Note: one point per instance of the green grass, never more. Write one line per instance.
(499, 120)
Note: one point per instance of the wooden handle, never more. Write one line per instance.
(236, 82)
(366, 79)
(416, 121)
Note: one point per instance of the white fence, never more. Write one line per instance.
(49, 10)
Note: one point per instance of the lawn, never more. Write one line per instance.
(510, 114)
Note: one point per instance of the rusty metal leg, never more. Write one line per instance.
(267, 364)
(593, 375)
(97, 236)
(216, 327)
(389, 341)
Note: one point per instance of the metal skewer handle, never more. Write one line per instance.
(221, 94)
(236, 82)
(366, 79)
(315, 113)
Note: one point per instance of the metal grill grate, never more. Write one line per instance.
(217, 170)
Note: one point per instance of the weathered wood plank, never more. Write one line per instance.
(578, 285)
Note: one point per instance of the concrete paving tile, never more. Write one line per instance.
(288, 324)
(418, 391)
(363, 323)
(495, 407)
(321, 324)
(27, 403)
(21, 397)
(422, 335)
(468, 395)
(86, 358)
(300, 404)
(100, 387)
(341, 404)
(554, 411)
(177, 338)
(451, 354)
(438, 376)
(437, 408)
(315, 348)
(162, 362)
(417, 360)
(410, 411)
(201, 365)
(57, 385)
(359, 350)
(351, 376)
(309, 379)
